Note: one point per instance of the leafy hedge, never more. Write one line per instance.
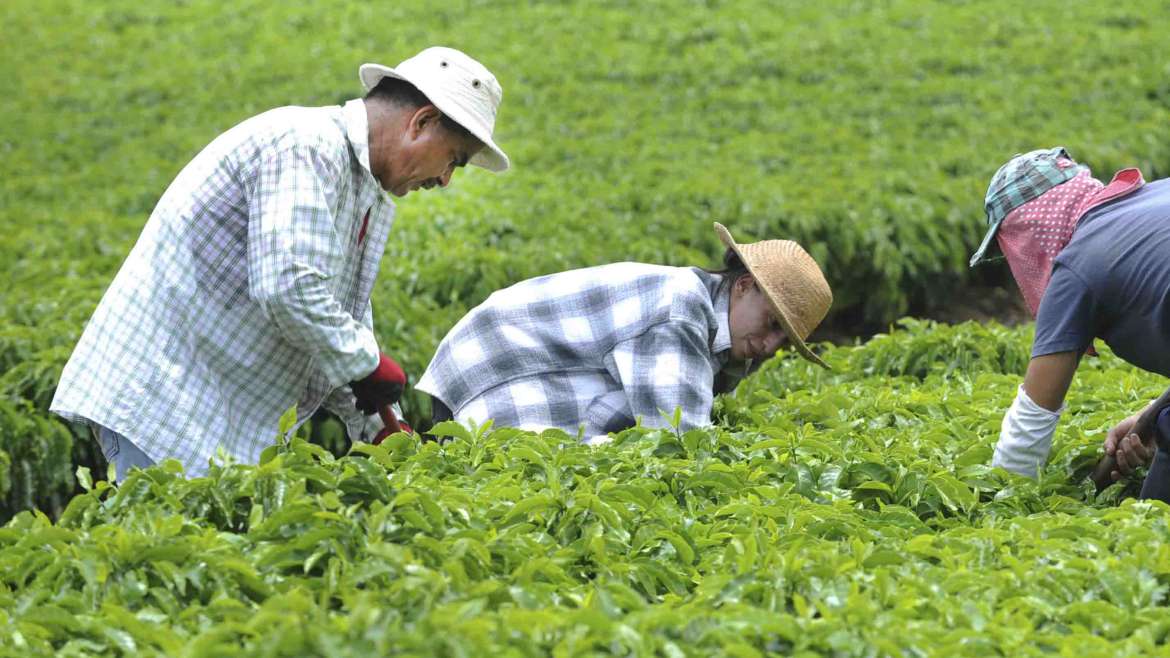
(867, 131)
(842, 512)
(848, 512)
(36, 461)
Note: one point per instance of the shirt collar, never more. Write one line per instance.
(357, 129)
(1124, 182)
(720, 291)
(722, 304)
(719, 287)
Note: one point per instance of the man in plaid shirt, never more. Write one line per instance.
(592, 351)
(248, 291)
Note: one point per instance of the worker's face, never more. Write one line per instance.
(755, 332)
(428, 154)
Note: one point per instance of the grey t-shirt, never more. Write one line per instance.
(1112, 281)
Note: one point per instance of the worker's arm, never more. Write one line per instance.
(294, 250)
(1025, 436)
(1048, 378)
(1066, 322)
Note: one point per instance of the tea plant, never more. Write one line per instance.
(842, 513)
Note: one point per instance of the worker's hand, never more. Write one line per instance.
(1127, 448)
(387, 431)
(380, 388)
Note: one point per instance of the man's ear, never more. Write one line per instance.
(422, 119)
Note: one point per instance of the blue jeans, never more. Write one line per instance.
(120, 452)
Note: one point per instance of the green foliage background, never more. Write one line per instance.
(865, 130)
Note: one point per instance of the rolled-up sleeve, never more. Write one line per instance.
(663, 369)
(293, 252)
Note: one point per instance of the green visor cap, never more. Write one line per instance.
(1020, 180)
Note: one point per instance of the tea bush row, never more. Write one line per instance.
(841, 512)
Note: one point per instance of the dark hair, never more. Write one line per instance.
(733, 266)
(400, 93)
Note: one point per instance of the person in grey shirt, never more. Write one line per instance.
(1095, 258)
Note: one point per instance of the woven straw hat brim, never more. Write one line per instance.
(753, 262)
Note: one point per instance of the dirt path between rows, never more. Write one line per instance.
(1003, 304)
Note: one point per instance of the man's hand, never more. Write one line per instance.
(390, 424)
(380, 388)
(387, 431)
(1127, 448)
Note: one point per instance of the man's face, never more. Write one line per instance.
(755, 332)
(428, 154)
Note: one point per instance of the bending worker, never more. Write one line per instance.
(594, 350)
(1091, 262)
(248, 290)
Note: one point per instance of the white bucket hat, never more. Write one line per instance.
(460, 87)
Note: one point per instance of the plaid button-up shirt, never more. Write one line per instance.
(591, 351)
(247, 292)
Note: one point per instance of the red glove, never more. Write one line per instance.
(380, 388)
(382, 436)
(392, 425)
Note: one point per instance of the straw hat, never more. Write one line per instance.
(791, 281)
(460, 87)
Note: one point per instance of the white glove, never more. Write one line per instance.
(1025, 437)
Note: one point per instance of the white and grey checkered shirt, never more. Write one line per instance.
(247, 292)
(590, 351)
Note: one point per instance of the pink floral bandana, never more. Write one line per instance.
(1033, 234)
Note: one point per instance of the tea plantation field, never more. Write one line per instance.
(850, 512)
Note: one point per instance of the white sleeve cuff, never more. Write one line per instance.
(1025, 437)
